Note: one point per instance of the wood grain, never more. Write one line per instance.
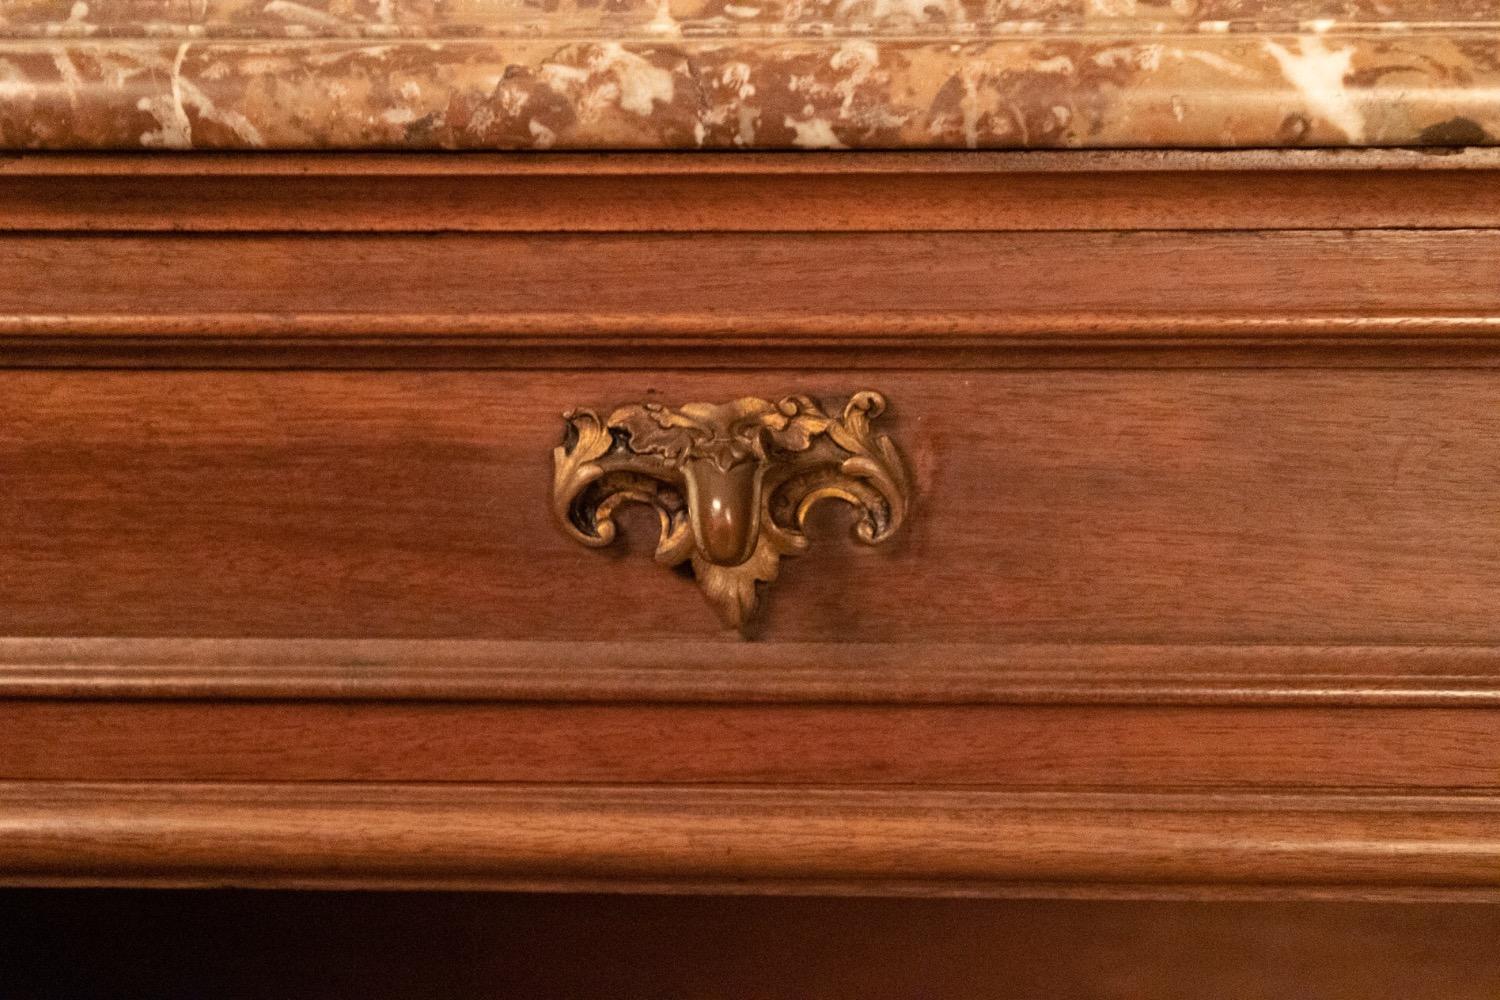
(723, 671)
(1018, 746)
(1197, 589)
(1280, 507)
(755, 192)
(784, 840)
(758, 287)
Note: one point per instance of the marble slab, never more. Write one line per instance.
(746, 74)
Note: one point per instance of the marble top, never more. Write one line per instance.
(746, 74)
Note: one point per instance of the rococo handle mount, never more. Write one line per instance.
(732, 483)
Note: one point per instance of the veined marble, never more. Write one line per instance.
(743, 74)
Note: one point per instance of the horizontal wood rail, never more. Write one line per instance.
(765, 192)
(963, 261)
(730, 672)
(729, 839)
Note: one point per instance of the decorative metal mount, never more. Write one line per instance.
(731, 483)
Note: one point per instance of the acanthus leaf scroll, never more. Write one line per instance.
(731, 483)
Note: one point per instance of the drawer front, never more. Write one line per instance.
(1193, 589)
(1133, 506)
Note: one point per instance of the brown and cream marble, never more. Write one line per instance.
(779, 74)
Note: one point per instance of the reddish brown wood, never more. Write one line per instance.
(1135, 507)
(777, 839)
(1034, 191)
(756, 289)
(1075, 747)
(725, 671)
(1153, 575)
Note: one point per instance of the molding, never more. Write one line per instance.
(728, 671)
(751, 192)
(763, 339)
(873, 330)
(711, 354)
(1390, 251)
(729, 838)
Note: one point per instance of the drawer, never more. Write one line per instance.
(1184, 550)
(1160, 506)
(1146, 577)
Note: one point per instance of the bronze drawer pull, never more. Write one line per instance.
(732, 483)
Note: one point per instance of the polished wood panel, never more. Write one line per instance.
(1284, 507)
(1195, 597)
(1038, 746)
(760, 287)
(724, 671)
(1033, 191)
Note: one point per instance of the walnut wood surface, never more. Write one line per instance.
(724, 671)
(1266, 506)
(787, 839)
(755, 289)
(1039, 746)
(757, 192)
(1205, 475)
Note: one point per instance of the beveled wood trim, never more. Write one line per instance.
(765, 340)
(480, 354)
(737, 672)
(738, 838)
(762, 192)
(952, 295)
(934, 299)
(948, 329)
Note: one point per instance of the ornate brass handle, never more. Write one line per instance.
(732, 483)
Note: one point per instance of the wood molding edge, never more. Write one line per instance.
(765, 192)
(728, 838)
(716, 671)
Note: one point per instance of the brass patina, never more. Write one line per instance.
(731, 483)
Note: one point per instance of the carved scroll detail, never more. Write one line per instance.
(732, 484)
